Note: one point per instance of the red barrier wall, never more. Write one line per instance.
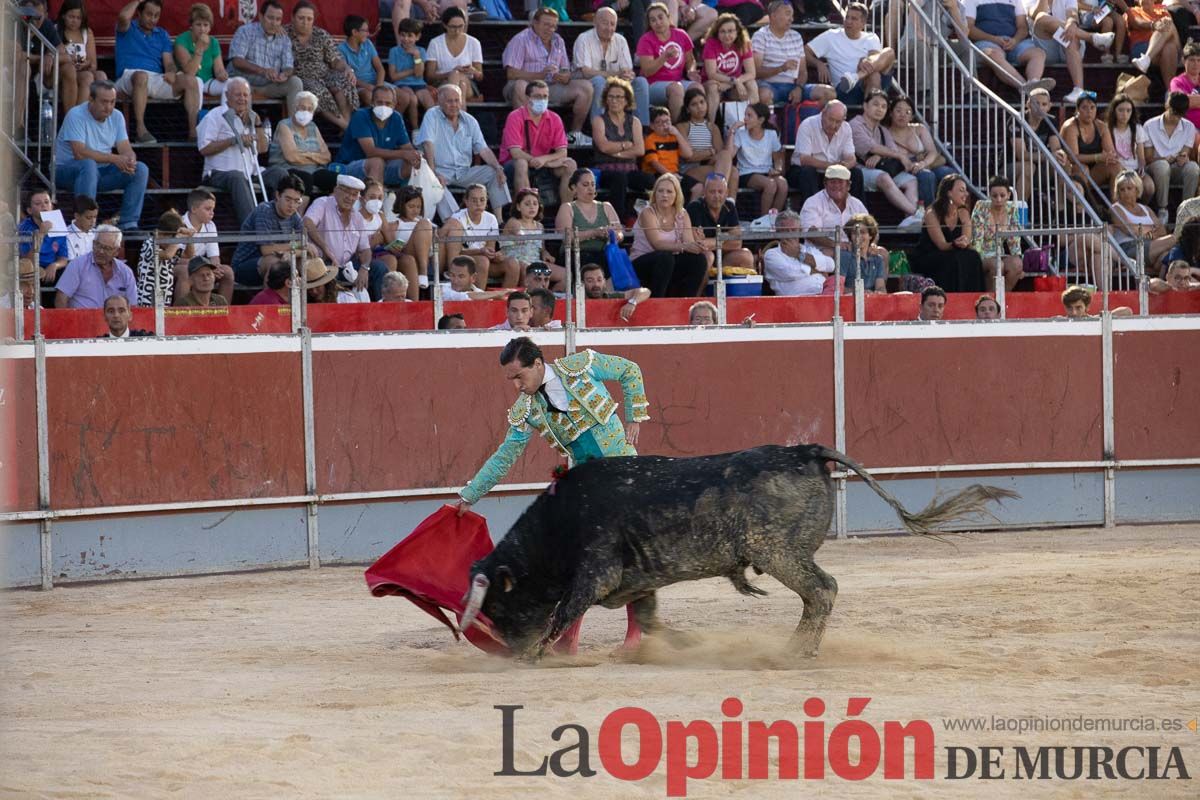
(1157, 394)
(18, 418)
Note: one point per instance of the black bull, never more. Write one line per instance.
(614, 530)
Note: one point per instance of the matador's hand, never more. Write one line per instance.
(632, 429)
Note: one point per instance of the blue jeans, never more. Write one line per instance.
(87, 178)
(927, 181)
(641, 97)
(391, 171)
(375, 281)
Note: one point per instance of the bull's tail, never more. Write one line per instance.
(972, 500)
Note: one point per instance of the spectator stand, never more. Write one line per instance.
(29, 121)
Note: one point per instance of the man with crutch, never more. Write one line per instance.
(230, 137)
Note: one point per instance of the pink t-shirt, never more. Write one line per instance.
(543, 137)
(729, 62)
(678, 45)
(1180, 83)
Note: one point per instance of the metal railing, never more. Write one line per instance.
(33, 141)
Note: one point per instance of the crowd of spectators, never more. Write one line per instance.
(678, 119)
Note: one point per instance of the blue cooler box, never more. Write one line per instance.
(739, 286)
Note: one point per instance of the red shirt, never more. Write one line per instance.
(536, 138)
(268, 297)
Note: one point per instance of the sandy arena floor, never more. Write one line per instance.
(285, 684)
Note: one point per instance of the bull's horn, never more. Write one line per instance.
(479, 587)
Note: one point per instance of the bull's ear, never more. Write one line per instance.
(505, 576)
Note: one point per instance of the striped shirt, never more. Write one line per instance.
(776, 52)
(529, 53)
(252, 44)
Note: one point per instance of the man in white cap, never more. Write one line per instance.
(340, 234)
(229, 136)
(830, 208)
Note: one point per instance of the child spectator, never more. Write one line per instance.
(526, 218)
(359, 53)
(202, 207)
(1129, 139)
(756, 144)
(406, 71)
(82, 229)
(413, 238)
(52, 250)
(664, 146)
(380, 232)
(165, 262)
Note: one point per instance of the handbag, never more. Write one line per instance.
(1036, 260)
(620, 266)
(891, 166)
(425, 179)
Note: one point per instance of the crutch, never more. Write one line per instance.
(229, 119)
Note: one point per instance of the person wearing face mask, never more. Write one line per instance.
(376, 144)
(297, 147)
(534, 144)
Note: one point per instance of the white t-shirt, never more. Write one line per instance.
(488, 225)
(353, 296)
(1059, 9)
(1168, 147)
(790, 276)
(437, 52)
(453, 295)
(214, 127)
(79, 242)
(207, 233)
(843, 53)
(588, 52)
(756, 155)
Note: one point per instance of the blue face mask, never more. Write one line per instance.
(539, 106)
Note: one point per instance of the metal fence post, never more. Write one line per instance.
(839, 421)
(310, 454)
(1110, 503)
(721, 289)
(160, 314)
(435, 285)
(43, 451)
(580, 294)
(18, 301)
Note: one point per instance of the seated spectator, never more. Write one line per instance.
(714, 209)
(533, 147)
(526, 220)
(278, 288)
(380, 231)
(1178, 279)
(451, 139)
(988, 218)
(588, 221)
(518, 310)
(1188, 81)
(944, 252)
(230, 138)
(600, 54)
(886, 167)
(779, 61)
(619, 144)
(830, 209)
(320, 67)
(261, 52)
(117, 316)
(26, 287)
(414, 238)
(320, 284)
(198, 53)
(933, 303)
(160, 263)
(851, 59)
(85, 162)
(1170, 153)
(728, 64)
(667, 257)
(1153, 39)
(986, 307)
(406, 71)
(537, 276)
(1089, 140)
(666, 58)
(702, 313)
(202, 281)
(1029, 157)
(461, 283)
(395, 288)
(360, 55)
(271, 222)
(79, 46)
(376, 143)
(28, 62)
(822, 142)
(541, 310)
(82, 229)
(339, 232)
(665, 146)
(475, 220)
(754, 142)
(202, 207)
(1001, 31)
(1056, 32)
(455, 57)
(1112, 21)
(1129, 139)
(452, 322)
(595, 287)
(419, 9)
(146, 66)
(870, 261)
(1135, 227)
(913, 138)
(52, 251)
(709, 153)
(791, 267)
(92, 277)
(297, 148)
(1076, 300)
(538, 54)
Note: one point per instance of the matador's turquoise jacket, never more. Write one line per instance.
(587, 429)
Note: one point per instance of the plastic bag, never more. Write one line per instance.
(620, 266)
(425, 179)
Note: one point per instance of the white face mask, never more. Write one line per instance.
(304, 117)
(382, 112)
(373, 206)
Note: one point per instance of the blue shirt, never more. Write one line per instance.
(80, 126)
(137, 49)
(84, 284)
(401, 60)
(362, 126)
(360, 62)
(264, 219)
(451, 148)
(53, 247)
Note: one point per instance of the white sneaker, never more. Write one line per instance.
(1142, 62)
(580, 139)
(913, 220)
(1073, 96)
(1103, 40)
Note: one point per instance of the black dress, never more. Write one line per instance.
(956, 269)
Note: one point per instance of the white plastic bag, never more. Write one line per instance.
(425, 179)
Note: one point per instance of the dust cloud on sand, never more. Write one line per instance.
(300, 684)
